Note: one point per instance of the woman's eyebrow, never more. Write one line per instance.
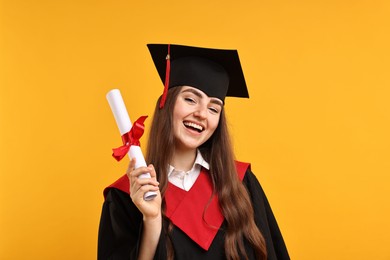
(217, 102)
(193, 91)
(198, 94)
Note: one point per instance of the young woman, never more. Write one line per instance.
(208, 206)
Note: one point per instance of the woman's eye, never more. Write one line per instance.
(214, 110)
(190, 100)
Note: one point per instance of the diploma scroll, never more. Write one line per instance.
(122, 119)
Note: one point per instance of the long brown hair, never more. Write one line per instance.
(233, 197)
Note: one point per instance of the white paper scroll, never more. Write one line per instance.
(122, 119)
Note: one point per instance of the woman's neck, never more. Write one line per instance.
(183, 160)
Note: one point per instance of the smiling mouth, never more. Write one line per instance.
(193, 126)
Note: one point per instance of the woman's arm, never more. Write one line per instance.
(151, 210)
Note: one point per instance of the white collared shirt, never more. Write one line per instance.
(185, 180)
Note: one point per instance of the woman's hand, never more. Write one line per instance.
(139, 186)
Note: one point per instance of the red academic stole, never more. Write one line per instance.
(192, 211)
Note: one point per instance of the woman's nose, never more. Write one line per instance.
(201, 112)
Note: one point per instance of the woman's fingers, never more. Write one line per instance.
(138, 184)
(137, 175)
(130, 168)
(152, 171)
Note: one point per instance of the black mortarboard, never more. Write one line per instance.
(216, 72)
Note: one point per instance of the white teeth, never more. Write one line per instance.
(193, 125)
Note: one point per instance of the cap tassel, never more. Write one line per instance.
(167, 74)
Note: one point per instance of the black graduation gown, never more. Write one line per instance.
(121, 228)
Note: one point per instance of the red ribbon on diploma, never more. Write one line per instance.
(130, 138)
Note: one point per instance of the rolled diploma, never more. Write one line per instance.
(122, 119)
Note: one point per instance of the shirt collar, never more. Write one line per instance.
(199, 160)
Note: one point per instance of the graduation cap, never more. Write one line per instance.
(216, 72)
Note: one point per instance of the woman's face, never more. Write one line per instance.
(195, 118)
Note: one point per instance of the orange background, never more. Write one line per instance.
(316, 127)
